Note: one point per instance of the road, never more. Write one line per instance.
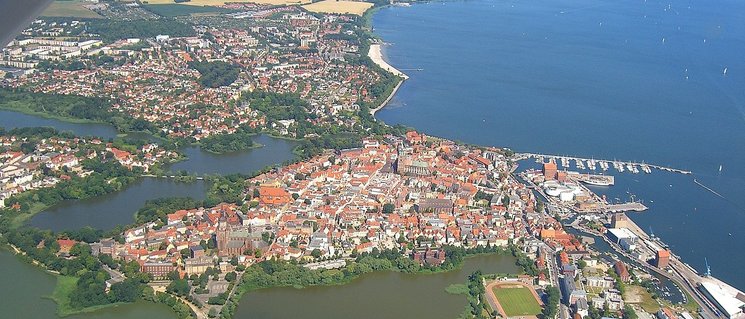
(682, 276)
(116, 276)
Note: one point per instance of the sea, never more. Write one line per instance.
(659, 82)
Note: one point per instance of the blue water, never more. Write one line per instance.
(604, 79)
(10, 120)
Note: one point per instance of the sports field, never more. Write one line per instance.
(339, 7)
(517, 301)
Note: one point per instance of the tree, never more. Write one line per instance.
(316, 253)
(266, 237)
(231, 276)
(629, 313)
(174, 275)
(80, 249)
(581, 264)
(539, 206)
(551, 307)
(126, 291)
(388, 208)
(185, 253)
(215, 74)
(179, 287)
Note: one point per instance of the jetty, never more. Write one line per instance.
(593, 163)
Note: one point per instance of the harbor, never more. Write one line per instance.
(568, 191)
(599, 164)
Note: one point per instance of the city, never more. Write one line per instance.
(358, 196)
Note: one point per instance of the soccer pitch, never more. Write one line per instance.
(517, 301)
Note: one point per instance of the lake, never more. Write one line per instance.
(10, 120)
(118, 208)
(376, 295)
(24, 288)
(274, 151)
(108, 211)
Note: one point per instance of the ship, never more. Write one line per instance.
(599, 181)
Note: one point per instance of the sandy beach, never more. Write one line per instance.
(376, 55)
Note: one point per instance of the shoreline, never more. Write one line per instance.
(388, 99)
(376, 55)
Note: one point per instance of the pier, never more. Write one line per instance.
(600, 164)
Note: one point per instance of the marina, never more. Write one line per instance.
(568, 192)
(593, 164)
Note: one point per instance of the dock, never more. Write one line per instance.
(601, 164)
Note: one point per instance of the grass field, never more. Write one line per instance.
(174, 10)
(70, 8)
(639, 295)
(61, 295)
(339, 7)
(517, 301)
(457, 289)
(222, 2)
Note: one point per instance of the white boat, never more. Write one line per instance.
(725, 71)
(646, 169)
(579, 163)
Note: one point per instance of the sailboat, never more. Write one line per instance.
(725, 71)
(720, 168)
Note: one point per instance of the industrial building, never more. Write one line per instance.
(662, 258)
(729, 300)
(623, 237)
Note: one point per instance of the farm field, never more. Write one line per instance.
(71, 8)
(174, 10)
(339, 7)
(222, 2)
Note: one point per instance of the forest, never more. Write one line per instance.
(69, 107)
(215, 74)
(226, 143)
